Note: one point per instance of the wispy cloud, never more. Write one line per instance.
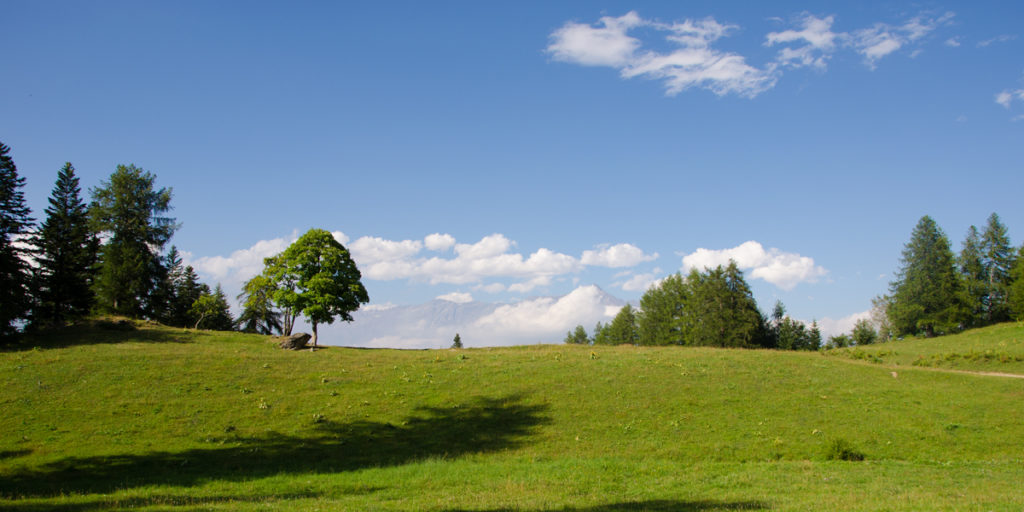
(998, 39)
(1007, 97)
(783, 269)
(883, 39)
(815, 42)
(693, 63)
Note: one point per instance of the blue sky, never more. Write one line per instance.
(523, 135)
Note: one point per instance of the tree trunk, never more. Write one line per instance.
(314, 334)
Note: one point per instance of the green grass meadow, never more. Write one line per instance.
(170, 419)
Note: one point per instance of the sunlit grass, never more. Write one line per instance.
(172, 419)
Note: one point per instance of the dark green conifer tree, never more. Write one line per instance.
(926, 295)
(130, 211)
(15, 224)
(65, 250)
(972, 272)
(622, 330)
(997, 256)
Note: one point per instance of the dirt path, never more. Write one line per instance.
(895, 369)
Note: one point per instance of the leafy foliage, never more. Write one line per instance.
(317, 277)
(211, 311)
(259, 314)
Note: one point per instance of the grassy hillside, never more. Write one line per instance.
(168, 419)
(999, 348)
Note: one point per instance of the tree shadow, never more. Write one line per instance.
(487, 425)
(653, 506)
(101, 331)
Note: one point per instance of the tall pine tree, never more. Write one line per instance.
(997, 257)
(66, 253)
(130, 211)
(926, 295)
(15, 223)
(972, 271)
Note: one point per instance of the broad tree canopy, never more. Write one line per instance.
(317, 277)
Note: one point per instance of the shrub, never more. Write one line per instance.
(841, 449)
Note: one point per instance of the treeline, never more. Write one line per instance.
(102, 258)
(936, 292)
(712, 308)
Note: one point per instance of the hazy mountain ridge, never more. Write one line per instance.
(433, 324)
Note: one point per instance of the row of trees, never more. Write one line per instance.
(937, 292)
(105, 257)
(714, 308)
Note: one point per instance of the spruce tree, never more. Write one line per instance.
(66, 255)
(1015, 292)
(15, 224)
(130, 211)
(457, 341)
(622, 330)
(997, 258)
(972, 271)
(660, 309)
(926, 295)
(721, 310)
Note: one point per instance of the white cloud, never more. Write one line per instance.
(378, 307)
(605, 45)
(527, 286)
(375, 249)
(439, 242)
(998, 39)
(639, 282)
(490, 288)
(883, 39)
(547, 318)
(693, 64)
(618, 255)
(457, 297)
(834, 327)
(818, 42)
(1007, 97)
(243, 263)
(953, 42)
(782, 269)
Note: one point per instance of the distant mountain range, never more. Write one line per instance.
(435, 323)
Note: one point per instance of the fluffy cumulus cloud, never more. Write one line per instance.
(783, 269)
(836, 326)
(548, 317)
(692, 60)
(436, 259)
(639, 282)
(615, 256)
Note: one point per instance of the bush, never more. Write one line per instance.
(841, 449)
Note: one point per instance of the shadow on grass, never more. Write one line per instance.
(102, 331)
(133, 502)
(487, 425)
(653, 506)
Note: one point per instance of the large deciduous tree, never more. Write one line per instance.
(129, 211)
(14, 224)
(317, 277)
(65, 250)
(259, 314)
(926, 295)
